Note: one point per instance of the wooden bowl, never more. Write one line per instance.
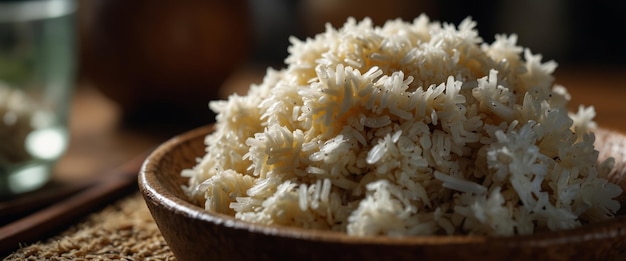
(195, 234)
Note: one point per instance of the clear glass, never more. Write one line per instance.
(37, 78)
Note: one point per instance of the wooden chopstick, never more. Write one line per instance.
(113, 184)
(23, 205)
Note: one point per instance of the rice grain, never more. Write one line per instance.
(409, 128)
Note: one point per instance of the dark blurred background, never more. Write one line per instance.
(570, 32)
(162, 61)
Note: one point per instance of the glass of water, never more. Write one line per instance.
(37, 77)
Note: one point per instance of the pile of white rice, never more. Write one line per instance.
(406, 129)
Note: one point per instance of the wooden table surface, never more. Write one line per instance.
(100, 141)
(603, 88)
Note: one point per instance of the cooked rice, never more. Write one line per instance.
(406, 129)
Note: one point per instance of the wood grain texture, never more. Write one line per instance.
(111, 185)
(194, 234)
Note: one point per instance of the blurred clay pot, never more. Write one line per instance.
(162, 57)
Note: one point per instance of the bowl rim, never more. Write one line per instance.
(154, 192)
